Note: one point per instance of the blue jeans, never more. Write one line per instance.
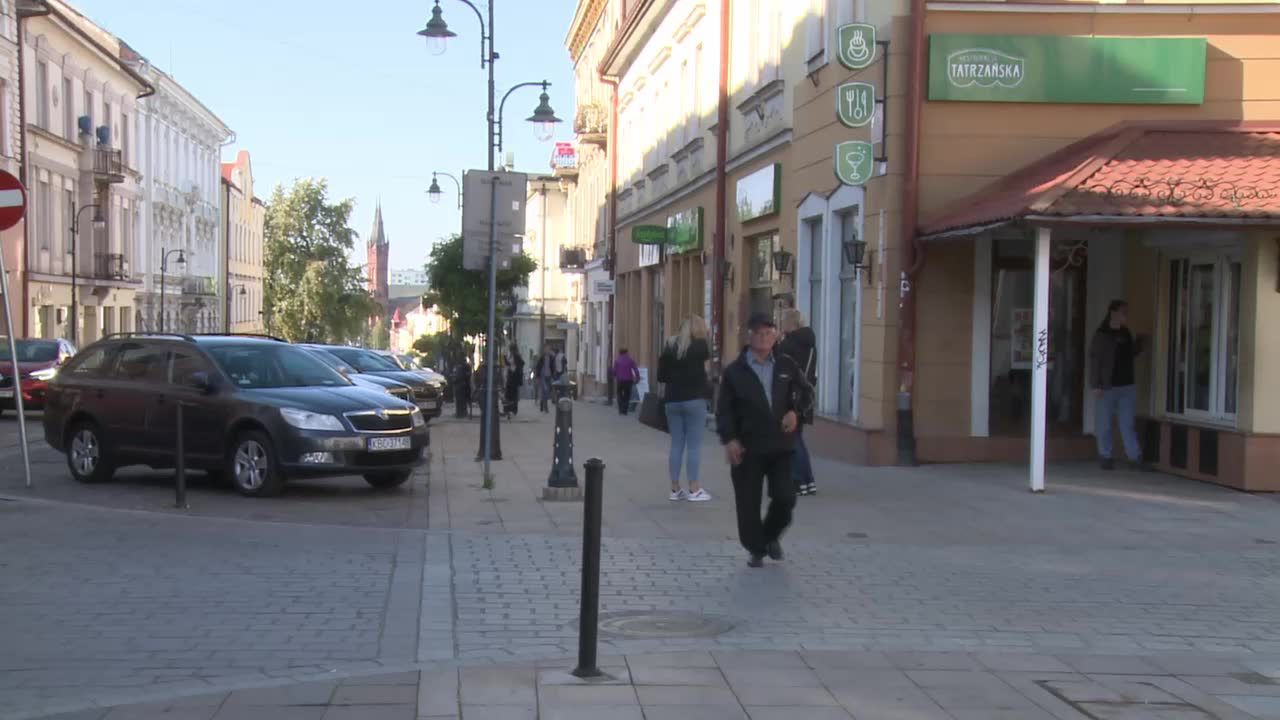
(1117, 403)
(801, 465)
(687, 421)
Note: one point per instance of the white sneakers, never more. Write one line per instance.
(700, 496)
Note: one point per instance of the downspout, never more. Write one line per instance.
(912, 251)
(722, 190)
(24, 268)
(611, 244)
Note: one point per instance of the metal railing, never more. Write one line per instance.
(110, 266)
(197, 286)
(108, 164)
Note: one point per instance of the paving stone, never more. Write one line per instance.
(558, 695)
(438, 693)
(500, 712)
(258, 712)
(710, 677)
(371, 712)
(295, 694)
(376, 695)
(695, 712)
(783, 696)
(776, 677)
(613, 675)
(685, 659)
(1263, 707)
(498, 686)
(658, 695)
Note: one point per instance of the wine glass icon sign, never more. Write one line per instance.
(858, 51)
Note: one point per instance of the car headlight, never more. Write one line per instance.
(44, 375)
(307, 420)
(418, 420)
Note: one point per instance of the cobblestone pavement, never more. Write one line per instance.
(111, 597)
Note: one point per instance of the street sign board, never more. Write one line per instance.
(856, 45)
(856, 103)
(13, 200)
(854, 162)
(507, 213)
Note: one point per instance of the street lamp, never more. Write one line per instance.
(435, 193)
(99, 222)
(437, 31)
(543, 117)
(164, 268)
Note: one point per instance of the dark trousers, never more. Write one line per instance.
(624, 397)
(748, 491)
(462, 400)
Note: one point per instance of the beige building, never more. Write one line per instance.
(243, 215)
(11, 240)
(548, 307)
(81, 110)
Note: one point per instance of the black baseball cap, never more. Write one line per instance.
(760, 320)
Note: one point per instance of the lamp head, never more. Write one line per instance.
(434, 191)
(544, 117)
(437, 32)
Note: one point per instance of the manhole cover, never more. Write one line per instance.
(662, 625)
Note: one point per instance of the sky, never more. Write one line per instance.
(348, 92)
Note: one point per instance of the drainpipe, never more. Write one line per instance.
(912, 251)
(611, 244)
(24, 268)
(722, 183)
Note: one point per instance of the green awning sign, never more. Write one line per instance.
(649, 235)
(1067, 69)
(684, 231)
(855, 161)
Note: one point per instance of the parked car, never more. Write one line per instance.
(428, 394)
(38, 363)
(257, 411)
(411, 364)
(376, 382)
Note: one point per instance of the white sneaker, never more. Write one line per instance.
(679, 495)
(700, 496)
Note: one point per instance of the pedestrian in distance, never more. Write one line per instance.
(801, 345)
(763, 395)
(682, 368)
(546, 376)
(515, 380)
(625, 374)
(462, 388)
(1115, 390)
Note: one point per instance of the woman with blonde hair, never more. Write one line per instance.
(682, 368)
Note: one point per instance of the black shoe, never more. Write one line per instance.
(1107, 464)
(755, 561)
(775, 551)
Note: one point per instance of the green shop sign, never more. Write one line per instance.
(1067, 69)
(855, 161)
(649, 235)
(684, 231)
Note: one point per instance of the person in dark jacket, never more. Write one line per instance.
(462, 388)
(682, 369)
(801, 345)
(1115, 390)
(763, 394)
(515, 380)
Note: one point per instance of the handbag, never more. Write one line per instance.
(652, 414)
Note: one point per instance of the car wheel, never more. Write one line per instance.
(87, 456)
(384, 480)
(252, 467)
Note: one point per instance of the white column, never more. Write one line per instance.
(1040, 369)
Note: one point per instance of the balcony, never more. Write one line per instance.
(573, 259)
(197, 286)
(110, 266)
(591, 124)
(108, 165)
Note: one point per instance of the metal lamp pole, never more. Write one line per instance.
(434, 192)
(164, 268)
(98, 221)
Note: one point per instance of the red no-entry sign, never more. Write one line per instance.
(13, 200)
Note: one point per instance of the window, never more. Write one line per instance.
(762, 275)
(124, 138)
(1204, 337)
(6, 112)
(109, 120)
(271, 365)
(69, 202)
(184, 366)
(815, 35)
(126, 320)
(813, 231)
(44, 218)
(848, 377)
(91, 362)
(68, 111)
(42, 94)
(142, 363)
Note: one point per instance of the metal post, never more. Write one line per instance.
(562, 473)
(488, 421)
(75, 263)
(589, 614)
(163, 261)
(1040, 370)
(181, 501)
(17, 376)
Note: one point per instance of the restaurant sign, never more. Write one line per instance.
(854, 162)
(1067, 69)
(648, 234)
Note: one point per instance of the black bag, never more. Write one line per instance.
(652, 413)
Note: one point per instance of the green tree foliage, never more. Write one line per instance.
(380, 336)
(462, 295)
(313, 293)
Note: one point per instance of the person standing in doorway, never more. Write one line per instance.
(682, 368)
(1115, 390)
(762, 397)
(625, 374)
(546, 376)
(801, 345)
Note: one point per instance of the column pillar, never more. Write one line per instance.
(1040, 368)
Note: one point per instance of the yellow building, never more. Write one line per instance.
(243, 216)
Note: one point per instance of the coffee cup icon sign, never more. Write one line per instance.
(858, 49)
(857, 45)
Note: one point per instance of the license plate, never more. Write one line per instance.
(385, 444)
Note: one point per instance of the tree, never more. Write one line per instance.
(380, 335)
(313, 293)
(462, 295)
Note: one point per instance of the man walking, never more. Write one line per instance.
(546, 375)
(762, 396)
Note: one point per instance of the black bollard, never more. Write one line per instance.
(497, 432)
(562, 472)
(181, 487)
(589, 614)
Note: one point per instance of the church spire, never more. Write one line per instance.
(377, 236)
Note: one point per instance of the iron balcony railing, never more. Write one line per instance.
(110, 266)
(108, 165)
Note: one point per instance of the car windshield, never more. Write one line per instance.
(274, 366)
(329, 359)
(408, 362)
(31, 351)
(364, 360)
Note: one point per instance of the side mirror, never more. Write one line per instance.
(202, 382)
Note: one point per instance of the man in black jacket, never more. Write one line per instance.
(762, 396)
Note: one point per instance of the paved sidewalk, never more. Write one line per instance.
(697, 685)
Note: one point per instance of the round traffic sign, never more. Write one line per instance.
(13, 200)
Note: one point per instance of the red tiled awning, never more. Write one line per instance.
(1198, 172)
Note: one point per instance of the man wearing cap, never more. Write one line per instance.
(762, 395)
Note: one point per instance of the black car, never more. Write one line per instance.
(391, 387)
(427, 393)
(257, 411)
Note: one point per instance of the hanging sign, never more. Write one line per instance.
(856, 103)
(854, 162)
(856, 43)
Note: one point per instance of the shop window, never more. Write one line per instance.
(813, 231)
(762, 274)
(848, 318)
(1203, 362)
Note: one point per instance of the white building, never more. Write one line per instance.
(10, 131)
(549, 307)
(410, 278)
(180, 143)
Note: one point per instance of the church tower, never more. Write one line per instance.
(378, 271)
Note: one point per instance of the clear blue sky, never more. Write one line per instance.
(347, 91)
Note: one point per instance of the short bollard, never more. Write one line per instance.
(180, 501)
(589, 614)
(562, 472)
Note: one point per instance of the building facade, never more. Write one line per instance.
(11, 240)
(180, 143)
(83, 161)
(241, 280)
(549, 308)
